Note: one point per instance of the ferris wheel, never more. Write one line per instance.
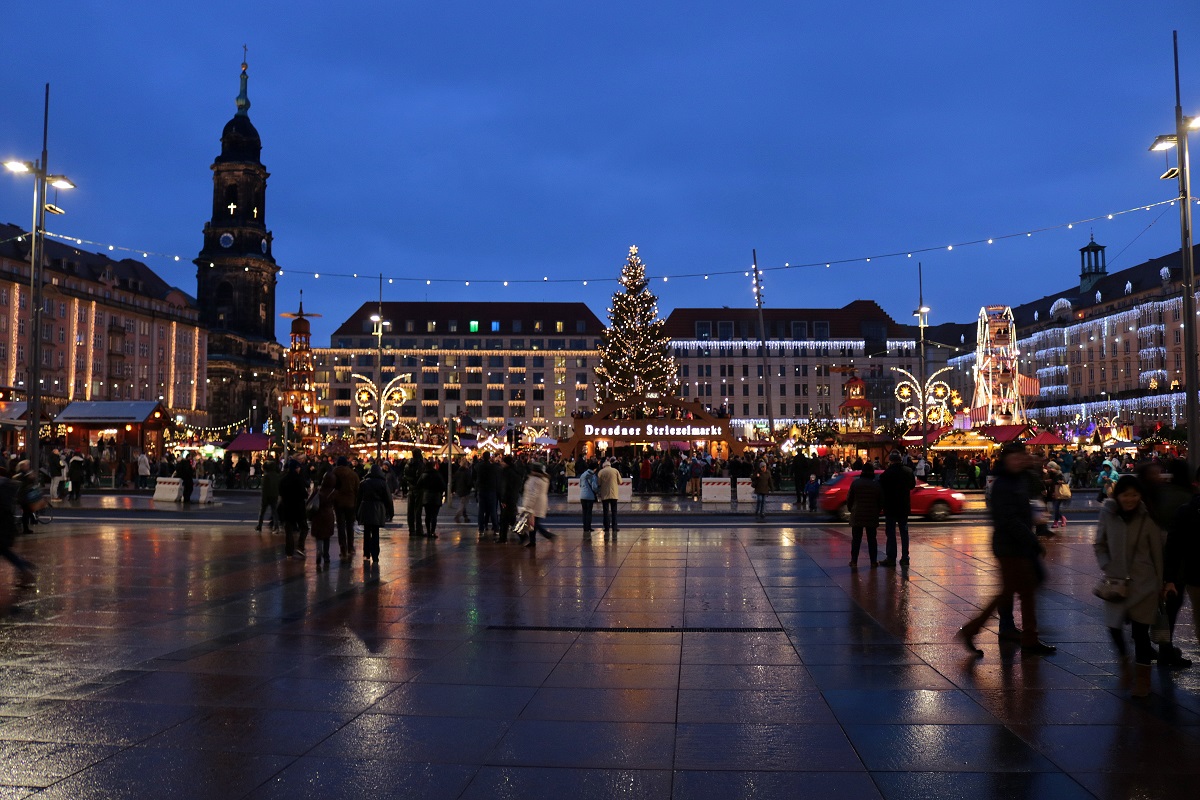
(997, 398)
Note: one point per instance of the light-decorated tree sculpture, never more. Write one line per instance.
(636, 366)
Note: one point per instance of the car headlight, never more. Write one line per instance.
(958, 496)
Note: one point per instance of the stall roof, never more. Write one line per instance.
(11, 413)
(1047, 438)
(106, 412)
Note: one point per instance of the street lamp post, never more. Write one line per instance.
(922, 315)
(42, 178)
(1190, 383)
(379, 325)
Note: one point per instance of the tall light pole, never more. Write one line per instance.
(41, 177)
(922, 315)
(762, 338)
(379, 325)
(1190, 383)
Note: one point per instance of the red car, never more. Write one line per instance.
(933, 502)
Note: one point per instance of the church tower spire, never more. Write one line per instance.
(243, 99)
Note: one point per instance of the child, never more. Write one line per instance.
(812, 489)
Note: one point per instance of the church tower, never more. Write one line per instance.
(236, 276)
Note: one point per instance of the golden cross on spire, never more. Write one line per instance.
(244, 56)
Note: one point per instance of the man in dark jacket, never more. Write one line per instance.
(293, 494)
(412, 473)
(344, 503)
(185, 473)
(512, 480)
(487, 486)
(897, 482)
(865, 501)
(1016, 547)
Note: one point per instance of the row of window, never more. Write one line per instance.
(492, 326)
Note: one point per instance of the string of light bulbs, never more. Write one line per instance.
(546, 279)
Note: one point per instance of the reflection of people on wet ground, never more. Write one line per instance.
(8, 529)
(1016, 547)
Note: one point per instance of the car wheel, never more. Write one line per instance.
(939, 511)
(842, 513)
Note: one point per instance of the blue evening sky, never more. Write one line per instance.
(483, 140)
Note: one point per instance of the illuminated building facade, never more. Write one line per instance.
(111, 330)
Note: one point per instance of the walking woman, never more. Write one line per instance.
(534, 500)
(1129, 547)
(375, 509)
(324, 523)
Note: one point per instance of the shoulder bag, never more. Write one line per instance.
(1111, 590)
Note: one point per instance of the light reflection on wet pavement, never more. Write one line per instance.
(192, 661)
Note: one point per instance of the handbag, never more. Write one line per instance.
(1063, 492)
(312, 505)
(1112, 590)
(1160, 631)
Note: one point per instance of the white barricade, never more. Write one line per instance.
(716, 490)
(204, 491)
(169, 490)
(624, 490)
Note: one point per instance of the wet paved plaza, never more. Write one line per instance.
(189, 660)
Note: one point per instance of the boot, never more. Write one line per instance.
(1141, 680)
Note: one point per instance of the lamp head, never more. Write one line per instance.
(1164, 142)
(1170, 174)
(60, 182)
(18, 166)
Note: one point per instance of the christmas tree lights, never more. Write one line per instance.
(636, 366)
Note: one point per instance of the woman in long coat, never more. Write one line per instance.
(865, 501)
(375, 508)
(1130, 546)
(433, 493)
(534, 500)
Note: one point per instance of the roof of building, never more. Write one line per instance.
(108, 411)
(844, 323)
(1110, 288)
(67, 259)
(399, 313)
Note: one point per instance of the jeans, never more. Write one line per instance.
(891, 523)
(587, 514)
(370, 541)
(1020, 577)
(856, 536)
(345, 529)
(431, 515)
(1056, 506)
(273, 505)
(488, 511)
(294, 534)
(760, 505)
(609, 508)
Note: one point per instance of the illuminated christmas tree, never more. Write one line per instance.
(636, 366)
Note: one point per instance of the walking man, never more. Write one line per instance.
(344, 502)
(1016, 547)
(610, 487)
(897, 482)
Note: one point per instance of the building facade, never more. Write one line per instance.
(111, 330)
(811, 356)
(532, 363)
(1111, 346)
(494, 362)
(236, 278)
